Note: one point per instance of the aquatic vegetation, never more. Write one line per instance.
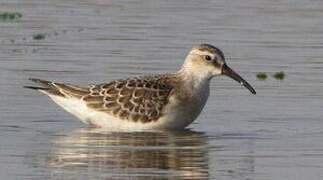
(10, 16)
(39, 36)
(279, 75)
(261, 76)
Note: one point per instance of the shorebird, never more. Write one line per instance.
(165, 101)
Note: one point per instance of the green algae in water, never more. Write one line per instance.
(10, 16)
(279, 75)
(261, 76)
(39, 36)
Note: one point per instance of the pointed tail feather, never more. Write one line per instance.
(60, 89)
(45, 86)
(35, 87)
(40, 81)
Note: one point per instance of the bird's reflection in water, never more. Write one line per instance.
(138, 155)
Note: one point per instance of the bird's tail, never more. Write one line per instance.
(44, 86)
(59, 89)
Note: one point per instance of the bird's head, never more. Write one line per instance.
(208, 61)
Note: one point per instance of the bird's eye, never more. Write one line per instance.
(208, 58)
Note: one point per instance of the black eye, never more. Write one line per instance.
(208, 58)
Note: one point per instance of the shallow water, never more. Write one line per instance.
(276, 134)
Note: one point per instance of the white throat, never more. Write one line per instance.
(195, 84)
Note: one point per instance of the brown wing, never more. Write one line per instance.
(136, 99)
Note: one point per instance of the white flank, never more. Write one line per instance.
(103, 120)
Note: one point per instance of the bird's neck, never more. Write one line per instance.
(194, 79)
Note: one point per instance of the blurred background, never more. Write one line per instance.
(276, 134)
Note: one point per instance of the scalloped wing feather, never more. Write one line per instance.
(134, 99)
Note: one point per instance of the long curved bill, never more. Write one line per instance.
(226, 70)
